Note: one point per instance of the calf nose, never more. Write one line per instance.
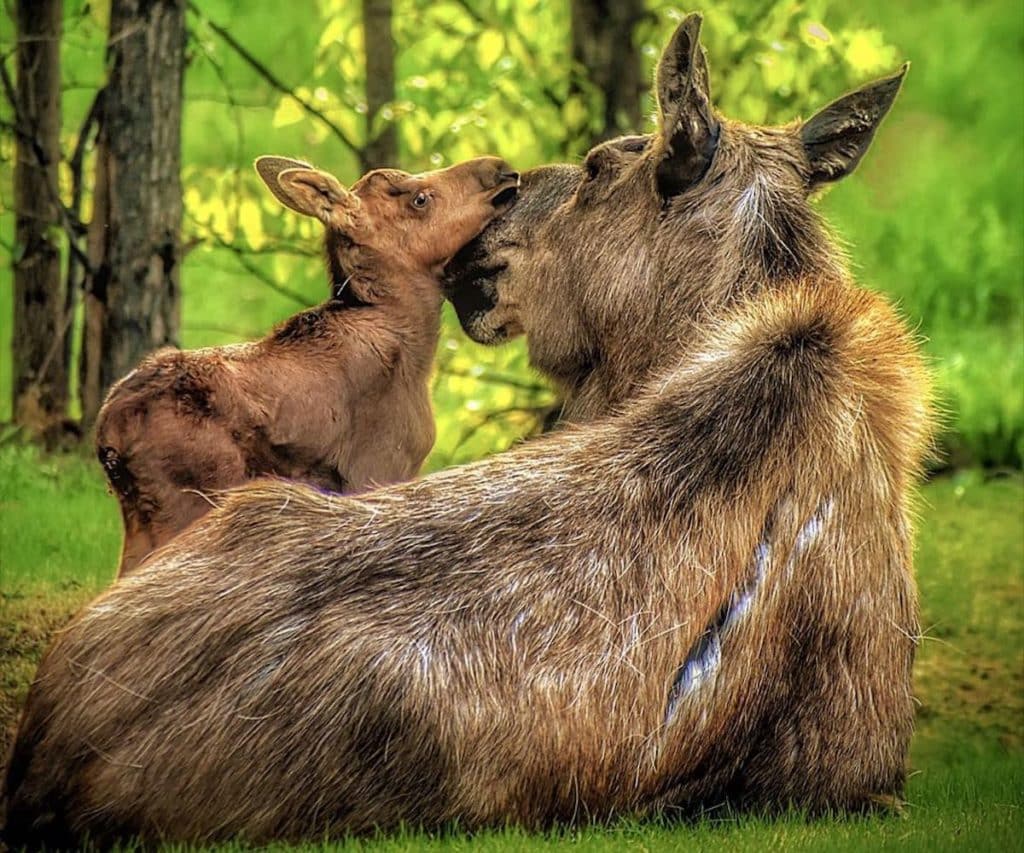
(506, 174)
(493, 172)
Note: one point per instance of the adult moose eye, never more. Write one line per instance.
(420, 200)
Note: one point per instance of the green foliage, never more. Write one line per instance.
(934, 216)
(966, 791)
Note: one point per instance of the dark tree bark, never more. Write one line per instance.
(132, 297)
(381, 149)
(40, 370)
(603, 44)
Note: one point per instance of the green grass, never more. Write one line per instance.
(60, 537)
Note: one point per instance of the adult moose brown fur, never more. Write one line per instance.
(704, 597)
(335, 396)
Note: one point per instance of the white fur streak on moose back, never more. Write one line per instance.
(702, 664)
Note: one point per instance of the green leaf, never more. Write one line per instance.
(288, 112)
(251, 222)
(489, 48)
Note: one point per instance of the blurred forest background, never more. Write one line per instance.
(933, 216)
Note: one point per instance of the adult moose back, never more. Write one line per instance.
(704, 597)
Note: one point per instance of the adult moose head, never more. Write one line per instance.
(605, 267)
(703, 598)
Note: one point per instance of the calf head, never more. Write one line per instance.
(603, 266)
(411, 222)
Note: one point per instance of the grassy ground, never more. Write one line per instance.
(60, 538)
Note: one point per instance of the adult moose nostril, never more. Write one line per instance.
(505, 196)
(506, 182)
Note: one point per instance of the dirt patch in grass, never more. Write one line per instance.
(28, 621)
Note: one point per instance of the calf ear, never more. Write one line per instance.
(268, 168)
(837, 137)
(689, 129)
(312, 193)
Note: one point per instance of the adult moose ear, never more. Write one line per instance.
(311, 192)
(689, 129)
(836, 138)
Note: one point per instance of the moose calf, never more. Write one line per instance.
(337, 395)
(705, 597)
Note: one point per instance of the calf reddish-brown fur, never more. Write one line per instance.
(336, 396)
(704, 597)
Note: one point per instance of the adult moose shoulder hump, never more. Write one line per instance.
(700, 594)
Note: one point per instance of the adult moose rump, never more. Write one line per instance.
(704, 597)
(337, 395)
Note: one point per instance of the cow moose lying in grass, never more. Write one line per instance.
(336, 396)
(704, 596)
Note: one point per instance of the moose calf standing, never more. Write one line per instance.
(336, 396)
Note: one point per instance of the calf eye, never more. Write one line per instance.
(420, 200)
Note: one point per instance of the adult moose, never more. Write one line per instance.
(705, 597)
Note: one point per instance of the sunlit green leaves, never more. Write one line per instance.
(932, 214)
(288, 111)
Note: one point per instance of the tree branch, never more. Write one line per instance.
(251, 268)
(70, 223)
(276, 82)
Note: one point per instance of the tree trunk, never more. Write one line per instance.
(132, 297)
(381, 147)
(602, 43)
(40, 371)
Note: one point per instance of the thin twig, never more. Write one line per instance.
(276, 81)
(493, 378)
(536, 412)
(240, 256)
(218, 70)
(74, 279)
(21, 129)
(241, 334)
